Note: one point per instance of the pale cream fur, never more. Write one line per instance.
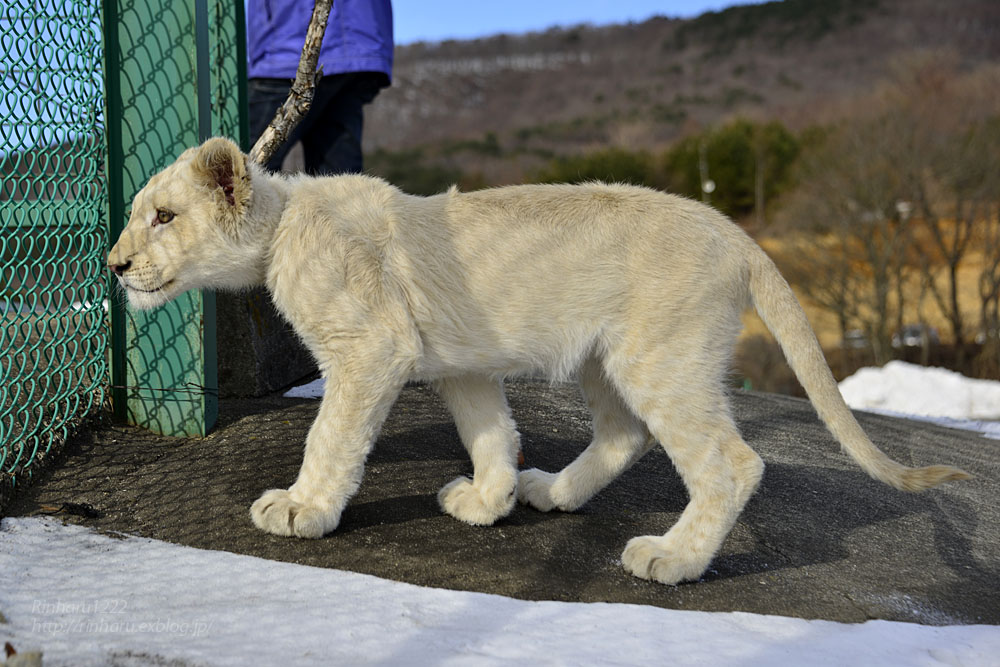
(636, 293)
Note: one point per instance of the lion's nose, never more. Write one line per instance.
(119, 269)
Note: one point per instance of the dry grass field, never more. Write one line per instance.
(825, 323)
(760, 361)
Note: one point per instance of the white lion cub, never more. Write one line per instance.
(636, 293)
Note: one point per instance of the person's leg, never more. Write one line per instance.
(332, 144)
(265, 96)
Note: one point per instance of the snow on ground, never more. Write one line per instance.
(928, 394)
(312, 389)
(88, 599)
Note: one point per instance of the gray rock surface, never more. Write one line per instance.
(258, 352)
(820, 539)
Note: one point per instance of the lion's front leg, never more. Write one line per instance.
(356, 401)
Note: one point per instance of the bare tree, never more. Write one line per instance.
(951, 168)
(850, 229)
(820, 267)
(901, 194)
(989, 295)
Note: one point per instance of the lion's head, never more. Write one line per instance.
(186, 228)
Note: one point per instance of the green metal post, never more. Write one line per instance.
(116, 212)
(160, 103)
(203, 69)
(243, 95)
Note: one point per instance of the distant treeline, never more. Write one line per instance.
(737, 167)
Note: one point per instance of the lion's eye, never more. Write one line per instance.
(163, 216)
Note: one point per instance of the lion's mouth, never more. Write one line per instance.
(148, 291)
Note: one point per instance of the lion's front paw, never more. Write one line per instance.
(276, 512)
(534, 488)
(648, 558)
(473, 504)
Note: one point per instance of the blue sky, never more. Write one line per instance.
(435, 20)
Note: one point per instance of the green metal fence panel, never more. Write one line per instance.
(173, 79)
(53, 334)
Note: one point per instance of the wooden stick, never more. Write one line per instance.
(300, 96)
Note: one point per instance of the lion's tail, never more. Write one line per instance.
(781, 312)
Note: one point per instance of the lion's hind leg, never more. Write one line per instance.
(685, 408)
(620, 439)
(482, 416)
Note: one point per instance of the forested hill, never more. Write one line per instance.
(644, 85)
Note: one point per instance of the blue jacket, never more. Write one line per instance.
(358, 37)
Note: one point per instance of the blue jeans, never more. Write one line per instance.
(331, 131)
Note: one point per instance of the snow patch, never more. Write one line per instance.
(88, 599)
(312, 389)
(934, 394)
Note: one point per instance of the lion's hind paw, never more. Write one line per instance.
(534, 488)
(468, 502)
(647, 557)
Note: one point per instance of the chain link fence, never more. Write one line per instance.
(95, 97)
(53, 238)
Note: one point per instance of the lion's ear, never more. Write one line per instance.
(222, 167)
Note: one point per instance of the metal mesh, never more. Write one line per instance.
(165, 95)
(228, 58)
(53, 338)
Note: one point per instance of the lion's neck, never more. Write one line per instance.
(270, 196)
